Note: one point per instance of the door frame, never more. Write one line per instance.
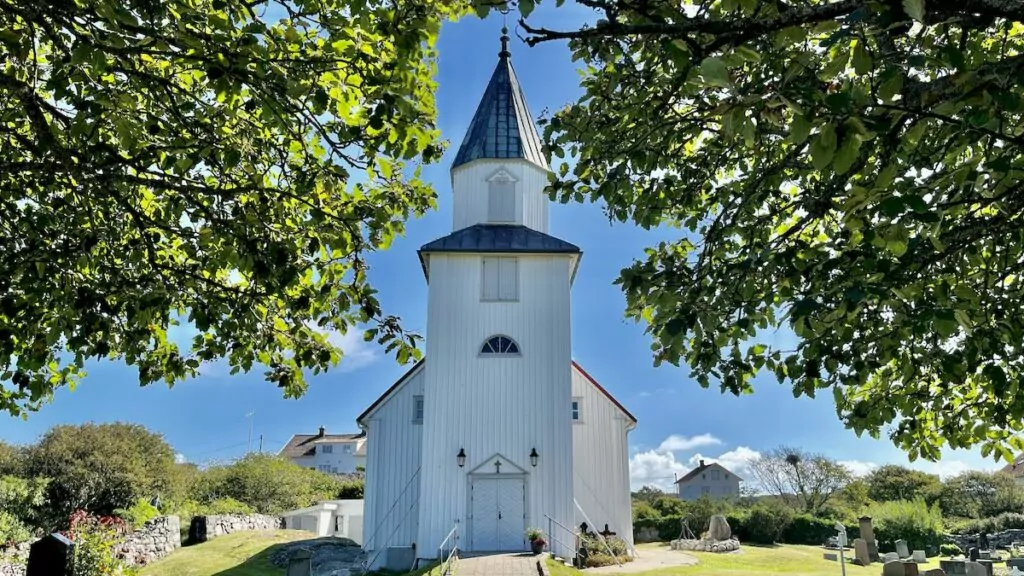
(517, 473)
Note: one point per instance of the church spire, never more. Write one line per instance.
(502, 126)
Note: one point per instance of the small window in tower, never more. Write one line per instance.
(577, 404)
(500, 345)
(417, 410)
(499, 279)
(501, 201)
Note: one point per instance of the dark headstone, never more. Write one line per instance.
(867, 533)
(951, 567)
(973, 554)
(197, 530)
(983, 541)
(989, 568)
(301, 563)
(51, 555)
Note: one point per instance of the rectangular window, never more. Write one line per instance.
(501, 201)
(576, 404)
(499, 279)
(327, 449)
(705, 489)
(325, 468)
(725, 490)
(417, 410)
(714, 474)
(347, 448)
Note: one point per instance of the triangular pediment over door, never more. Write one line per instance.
(498, 464)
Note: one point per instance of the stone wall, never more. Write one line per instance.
(997, 540)
(157, 538)
(205, 528)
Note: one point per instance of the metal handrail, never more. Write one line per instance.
(551, 534)
(447, 562)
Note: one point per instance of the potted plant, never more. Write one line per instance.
(536, 538)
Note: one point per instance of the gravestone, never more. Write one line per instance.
(719, 529)
(51, 555)
(892, 569)
(919, 556)
(831, 556)
(987, 565)
(935, 572)
(985, 554)
(973, 553)
(909, 569)
(867, 533)
(301, 563)
(860, 552)
(1015, 563)
(902, 550)
(890, 557)
(952, 567)
(1015, 571)
(975, 569)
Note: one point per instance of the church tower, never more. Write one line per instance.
(497, 437)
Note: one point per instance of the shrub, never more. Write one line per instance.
(811, 530)
(138, 514)
(269, 484)
(190, 508)
(12, 530)
(1005, 521)
(351, 490)
(594, 552)
(913, 521)
(950, 550)
(766, 522)
(95, 538)
(643, 510)
(670, 506)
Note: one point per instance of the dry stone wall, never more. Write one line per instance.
(997, 540)
(205, 528)
(157, 538)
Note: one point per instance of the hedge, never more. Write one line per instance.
(1005, 521)
(803, 529)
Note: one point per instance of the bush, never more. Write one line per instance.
(12, 530)
(766, 522)
(351, 490)
(269, 484)
(95, 538)
(643, 511)
(913, 521)
(810, 530)
(1006, 521)
(190, 509)
(950, 550)
(670, 506)
(141, 512)
(594, 552)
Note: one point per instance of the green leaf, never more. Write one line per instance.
(847, 153)
(861, 59)
(914, 9)
(799, 129)
(715, 73)
(823, 147)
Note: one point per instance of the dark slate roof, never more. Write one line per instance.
(502, 126)
(693, 473)
(305, 444)
(499, 238)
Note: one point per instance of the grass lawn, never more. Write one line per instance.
(782, 559)
(238, 554)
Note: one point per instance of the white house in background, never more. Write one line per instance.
(330, 453)
(711, 480)
(497, 429)
(329, 518)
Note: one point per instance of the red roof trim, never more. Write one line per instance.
(603, 391)
(389, 391)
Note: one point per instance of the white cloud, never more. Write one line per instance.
(736, 460)
(358, 352)
(678, 442)
(654, 468)
(944, 468)
(859, 468)
(180, 458)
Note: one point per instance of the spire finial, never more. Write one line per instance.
(504, 43)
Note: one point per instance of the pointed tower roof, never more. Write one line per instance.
(502, 126)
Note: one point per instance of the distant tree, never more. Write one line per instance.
(269, 484)
(98, 468)
(805, 481)
(893, 482)
(980, 495)
(12, 460)
(648, 494)
(853, 499)
(233, 161)
(848, 170)
(669, 506)
(22, 499)
(643, 510)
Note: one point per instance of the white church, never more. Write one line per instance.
(497, 429)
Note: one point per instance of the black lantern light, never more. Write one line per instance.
(461, 457)
(534, 457)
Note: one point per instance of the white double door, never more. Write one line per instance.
(499, 514)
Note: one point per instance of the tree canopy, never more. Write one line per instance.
(801, 479)
(849, 171)
(892, 482)
(230, 163)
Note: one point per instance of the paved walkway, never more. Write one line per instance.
(514, 564)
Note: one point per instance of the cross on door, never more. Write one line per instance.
(497, 466)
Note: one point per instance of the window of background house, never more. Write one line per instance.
(327, 449)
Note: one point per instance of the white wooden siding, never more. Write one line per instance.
(496, 405)
(472, 199)
(393, 454)
(601, 460)
(499, 278)
(502, 199)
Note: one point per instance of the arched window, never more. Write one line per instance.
(500, 345)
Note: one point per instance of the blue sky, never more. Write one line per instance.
(205, 419)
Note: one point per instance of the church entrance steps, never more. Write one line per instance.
(513, 564)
